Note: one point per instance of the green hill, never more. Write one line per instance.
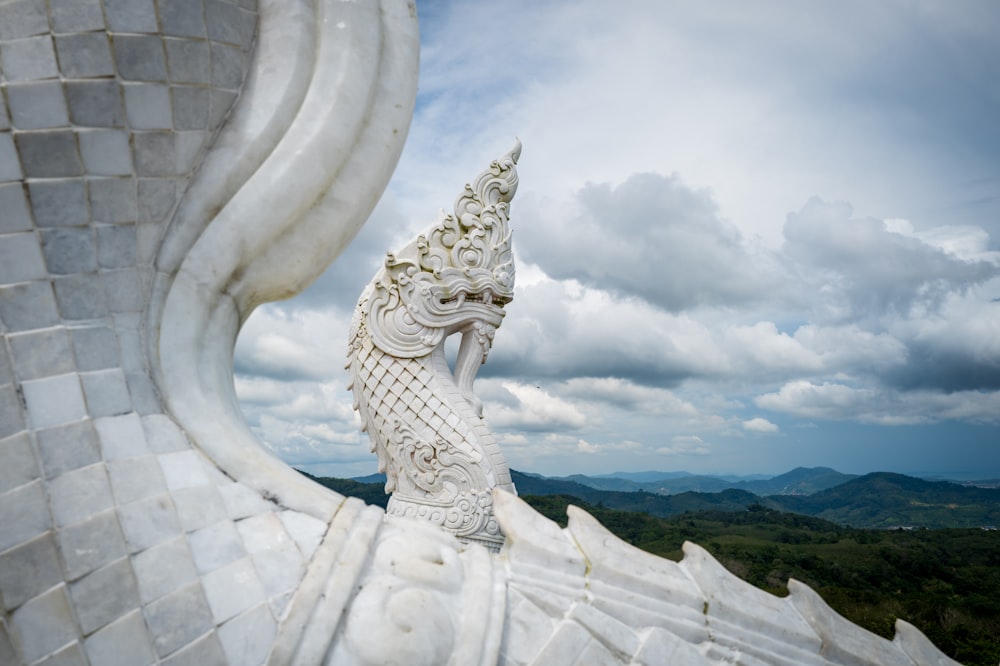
(879, 501)
(651, 503)
(799, 481)
(885, 500)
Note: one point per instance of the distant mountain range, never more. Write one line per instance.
(881, 500)
(799, 481)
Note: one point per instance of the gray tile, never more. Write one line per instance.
(20, 258)
(10, 166)
(29, 59)
(11, 414)
(130, 15)
(76, 496)
(116, 246)
(264, 532)
(199, 507)
(95, 347)
(49, 154)
(281, 569)
(66, 448)
(247, 639)
(227, 66)
(4, 120)
(113, 200)
(206, 650)
(71, 655)
(182, 18)
(95, 103)
(37, 105)
(147, 240)
(69, 250)
(53, 401)
(104, 595)
(85, 55)
(76, 15)
(91, 544)
(223, 22)
(190, 106)
(60, 203)
(247, 24)
(124, 290)
(41, 353)
(106, 393)
(10, 170)
(44, 624)
(27, 306)
(149, 522)
(140, 58)
(154, 153)
(81, 297)
(147, 106)
(14, 204)
(188, 145)
(232, 589)
(220, 101)
(242, 501)
(130, 342)
(28, 570)
(163, 434)
(133, 479)
(188, 60)
(164, 569)
(21, 18)
(19, 465)
(125, 642)
(24, 514)
(6, 368)
(249, 4)
(216, 546)
(121, 437)
(178, 619)
(105, 152)
(145, 399)
(184, 469)
(157, 197)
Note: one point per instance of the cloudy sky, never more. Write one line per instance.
(750, 236)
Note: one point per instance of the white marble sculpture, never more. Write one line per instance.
(164, 168)
(426, 423)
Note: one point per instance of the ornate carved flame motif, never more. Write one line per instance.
(424, 420)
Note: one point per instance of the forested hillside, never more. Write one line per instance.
(879, 501)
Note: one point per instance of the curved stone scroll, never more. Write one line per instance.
(292, 178)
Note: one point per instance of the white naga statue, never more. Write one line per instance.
(426, 425)
(166, 167)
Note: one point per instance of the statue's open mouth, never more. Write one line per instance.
(486, 297)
